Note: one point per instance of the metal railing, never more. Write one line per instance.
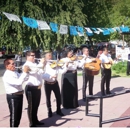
(101, 107)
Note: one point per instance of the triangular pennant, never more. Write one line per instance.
(54, 27)
(63, 29)
(42, 25)
(73, 30)
(12, 17)
(30, 22)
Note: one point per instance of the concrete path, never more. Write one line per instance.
(114, 107)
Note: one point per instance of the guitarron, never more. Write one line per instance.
(93, 67)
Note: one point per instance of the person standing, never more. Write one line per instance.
(51, 83)
(69, 87)
(33, 88)
(86, 77)
(14, 92)
(106, 62)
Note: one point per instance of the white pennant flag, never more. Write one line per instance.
(100, 29)
(89, 30)
(63, 29)
(42, 25)
(12, 17)
(97, 32)
(80, 34)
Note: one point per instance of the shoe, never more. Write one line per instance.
(108, 93)
(50, 114)
(60, 113)
(33, 126)
(39, 123)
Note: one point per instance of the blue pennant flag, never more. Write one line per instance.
(80, 29)
(106, 32)
(54, 27)
(73, 30)
(124, 29)
(30, 22)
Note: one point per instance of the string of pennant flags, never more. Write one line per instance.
(74, 30)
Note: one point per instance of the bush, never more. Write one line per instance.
(120, 68)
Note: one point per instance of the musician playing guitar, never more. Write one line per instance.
(86, 77)
(106, 63)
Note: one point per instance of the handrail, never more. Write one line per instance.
(101, 107)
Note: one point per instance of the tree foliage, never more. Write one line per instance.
(85, 13)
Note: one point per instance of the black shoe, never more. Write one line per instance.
(108, 93)
(39, 123)
(33, 126)
(60, 113)
(49, 114)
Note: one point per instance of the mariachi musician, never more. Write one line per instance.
(69, 87)
(52, 69)
(106, 61)
(86, 76)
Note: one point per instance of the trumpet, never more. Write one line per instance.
(32, 68)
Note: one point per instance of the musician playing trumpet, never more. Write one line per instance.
(33, 88)
(86, 77)
(51, 83)
(105, 71)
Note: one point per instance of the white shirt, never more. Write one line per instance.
(105, 58)
(49, 72)
(86, 59)
(35, 76)
(13, 81)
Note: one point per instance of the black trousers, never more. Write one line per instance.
(128, 67)
(55, 88)
(86, 79)
(33, 95)
(15, 104)
(105, 78)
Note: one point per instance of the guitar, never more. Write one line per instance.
(93, 67)
(107, 65)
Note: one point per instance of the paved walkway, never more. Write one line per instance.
(112, 107)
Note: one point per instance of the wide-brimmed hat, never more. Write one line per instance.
(46, 51)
